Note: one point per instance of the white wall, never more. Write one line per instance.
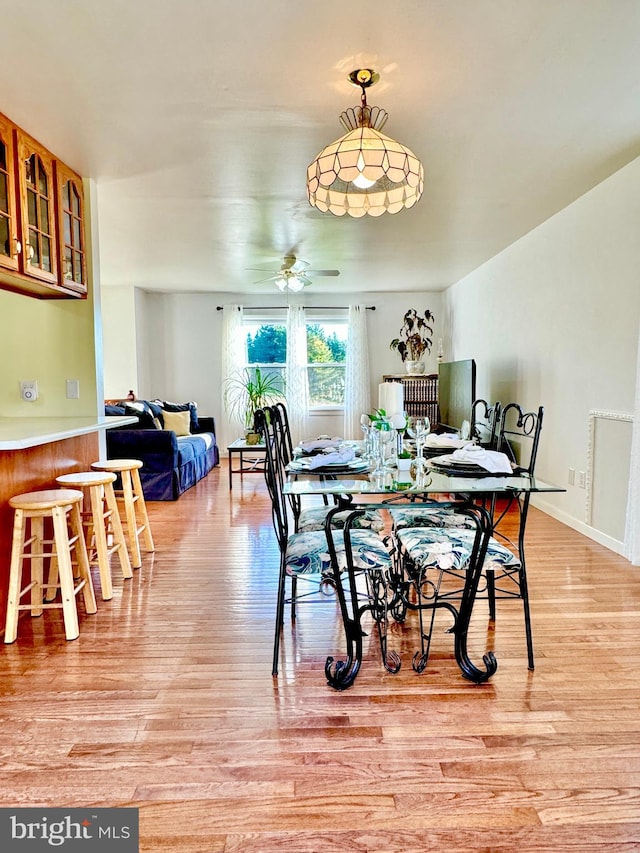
(172, 341)
(554, 320)
(119, 341)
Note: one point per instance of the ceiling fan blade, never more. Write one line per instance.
(269, 278)
(322, 272)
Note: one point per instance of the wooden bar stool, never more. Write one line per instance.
(63, 507)
(135, 509)
(101, 519)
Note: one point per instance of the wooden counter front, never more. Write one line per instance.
(36, 466)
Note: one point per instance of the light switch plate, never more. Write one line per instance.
(73, 389)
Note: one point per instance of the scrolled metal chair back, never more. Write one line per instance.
(485, 419)
(519, 436)
(280, 410)
(266, 421)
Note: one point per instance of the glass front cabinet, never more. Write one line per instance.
(42, 241)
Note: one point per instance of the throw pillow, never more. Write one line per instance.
(145, 418)
(191, 407)
(156, 411)
(177, 421)
(113, 410)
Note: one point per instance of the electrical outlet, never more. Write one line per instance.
(29, 390)
(582, 479)
(73, 389)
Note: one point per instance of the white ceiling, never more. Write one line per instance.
(198, 118)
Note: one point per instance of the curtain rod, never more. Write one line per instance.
(311, 307)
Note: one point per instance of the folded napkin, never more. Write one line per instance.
(447, 439)
(343, 456)
(315, 444)
(490, 460)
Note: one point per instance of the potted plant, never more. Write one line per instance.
(414, 339)
(248, 390)
(404, 460)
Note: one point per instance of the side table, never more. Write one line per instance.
(252, 458)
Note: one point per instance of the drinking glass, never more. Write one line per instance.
(384, 434)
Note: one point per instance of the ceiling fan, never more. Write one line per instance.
(294, 274)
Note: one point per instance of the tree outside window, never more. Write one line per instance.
(326, 356)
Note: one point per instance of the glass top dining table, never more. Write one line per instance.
(368, 490)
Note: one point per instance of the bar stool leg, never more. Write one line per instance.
(65, 573)
(100, 536)
(146, 527)
(132, 522)
(37, 565)
(116, 530)
(15, 577)
(82, 559)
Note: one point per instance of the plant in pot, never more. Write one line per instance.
(414, 339)
(248, 390)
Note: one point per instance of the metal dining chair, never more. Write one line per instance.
(485, 422)
(309, 556)
(429, 553)
(314, 518)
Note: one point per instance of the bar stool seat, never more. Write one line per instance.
(101, 522)
(62, 506)
(135, 515)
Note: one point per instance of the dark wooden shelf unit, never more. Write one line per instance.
(420, 394)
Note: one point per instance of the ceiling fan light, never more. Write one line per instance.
(360, 173)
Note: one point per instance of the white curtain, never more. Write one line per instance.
(297, 385)
(357, 393)
(632, 526)
(234, 358)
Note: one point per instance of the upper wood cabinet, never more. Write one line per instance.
(71, 248)
(42, 240)
(9, 243)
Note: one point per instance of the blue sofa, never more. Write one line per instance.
(171, 464)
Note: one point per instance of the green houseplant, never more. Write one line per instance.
(248, 390)
(414, 339)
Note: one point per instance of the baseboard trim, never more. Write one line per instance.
(597, 535)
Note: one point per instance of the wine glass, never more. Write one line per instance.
(384, 434)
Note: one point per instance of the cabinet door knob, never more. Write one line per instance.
(17, 246)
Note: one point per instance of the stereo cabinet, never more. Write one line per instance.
(42, 235)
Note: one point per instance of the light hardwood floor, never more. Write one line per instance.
(166, 702)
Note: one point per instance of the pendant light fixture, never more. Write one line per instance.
(364, 172)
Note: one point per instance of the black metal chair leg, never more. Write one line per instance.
(491, 593)
(279, 618)
(524, 592)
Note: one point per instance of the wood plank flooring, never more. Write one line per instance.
(166, 703)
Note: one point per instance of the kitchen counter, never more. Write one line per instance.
(33, 452)
(22, 433)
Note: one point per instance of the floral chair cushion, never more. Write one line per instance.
(450, 549)
(307, 553)
(313, 519)
(429, 516)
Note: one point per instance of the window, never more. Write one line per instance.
(267, 347)
(326, 355)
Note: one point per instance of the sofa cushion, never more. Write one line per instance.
(179, 422)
